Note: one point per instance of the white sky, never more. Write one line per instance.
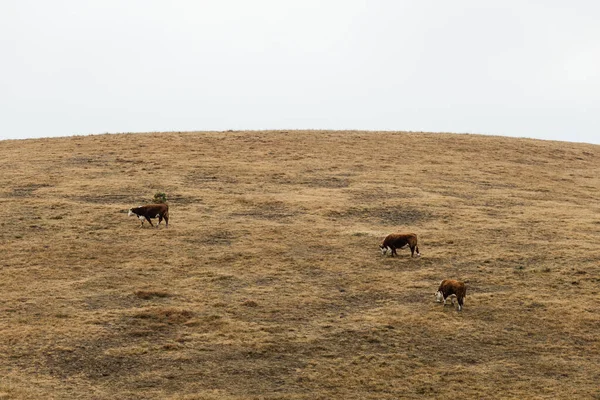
(522, 68)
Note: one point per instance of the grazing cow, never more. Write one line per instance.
(160, 211)
(450, 287)
(395, 241)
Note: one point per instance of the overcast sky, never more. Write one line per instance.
(510, 67)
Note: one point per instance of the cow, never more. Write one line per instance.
(450, 287)
(160, 211)
(395, 241)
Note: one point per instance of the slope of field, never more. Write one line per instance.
(269, 284)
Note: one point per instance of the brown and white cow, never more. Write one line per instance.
(451, 287)
(395, 241)
(160, 211)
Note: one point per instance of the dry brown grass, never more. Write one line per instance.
(269, 283)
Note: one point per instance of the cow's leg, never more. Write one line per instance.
(460, 303)
(159, 220)
(412, 251)
(393, 250)
(148, 219)
(166, 217)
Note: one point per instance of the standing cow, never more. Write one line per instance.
(148, 212)
(450, 287)
(395, 241)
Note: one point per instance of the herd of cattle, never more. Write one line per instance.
(448, 288)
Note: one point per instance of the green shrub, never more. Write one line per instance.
(160, 197)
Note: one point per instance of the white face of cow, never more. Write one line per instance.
(383, 250)
(130, 213)
(439, 297)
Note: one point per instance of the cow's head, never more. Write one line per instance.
(439, 296)
(383, 249)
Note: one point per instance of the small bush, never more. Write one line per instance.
(160, 197)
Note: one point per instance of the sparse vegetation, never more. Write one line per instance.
(269, 283)
(160, 197)
(149, 294)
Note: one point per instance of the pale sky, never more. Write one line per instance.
(521, 68)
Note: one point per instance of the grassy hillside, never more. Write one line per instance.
(269, 283)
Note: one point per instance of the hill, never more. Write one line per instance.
(269, 284)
